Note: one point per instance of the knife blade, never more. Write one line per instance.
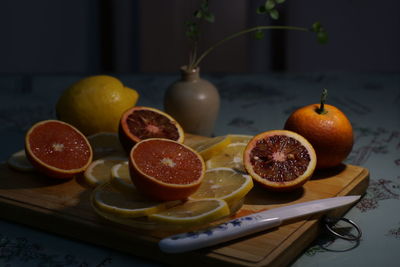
(250, 224)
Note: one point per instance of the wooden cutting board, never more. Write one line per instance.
(63, 207)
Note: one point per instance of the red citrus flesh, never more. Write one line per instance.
(140, 123)
(164, 169)
(57, 149)
(280, 160)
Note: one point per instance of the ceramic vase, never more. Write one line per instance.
(193, 102)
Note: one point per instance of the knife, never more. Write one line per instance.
(250, 224)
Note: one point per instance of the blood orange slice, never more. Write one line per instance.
(164, 169)
(280, 160)
(140, 123)
(57, 149)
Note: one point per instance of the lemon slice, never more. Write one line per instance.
(99, 171)
(224, 183)
(120, 177)
(19, 162)
(112, 201)
(106, 145)
(240, 138)
(212, 146)
(230, 157)
(193, 212)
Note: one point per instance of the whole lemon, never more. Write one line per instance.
(95, 104)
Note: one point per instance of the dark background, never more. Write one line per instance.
(140, 36)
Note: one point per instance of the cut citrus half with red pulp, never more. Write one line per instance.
(57, 149)
(280, 160)
(140, 123)
(165, 170)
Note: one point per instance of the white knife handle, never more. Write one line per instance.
(224, 232)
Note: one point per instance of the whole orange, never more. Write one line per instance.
(327, 129)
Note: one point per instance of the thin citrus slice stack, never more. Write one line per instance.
(57, 149)
(19, 162)
(232, 155)
(212, 146)
(224, 183)
(240, 138)
(192, 213)
(120, 177)
(280, 160)
(140, 123)
(109, 200)
(106, 145)
(99, 171)
(164, 169)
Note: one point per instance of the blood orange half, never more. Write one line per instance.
(57, 149)
(280, 160)
(140, 123)
(164, 169)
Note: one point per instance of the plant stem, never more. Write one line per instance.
(192, 55)
(257, 28)
(324, 95)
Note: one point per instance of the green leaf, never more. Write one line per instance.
(258, 35)
(209, 17)
(269, 4)
(322, 37)
(191, 34)
(198, 14)
(316, 27)
(261, 10)
(274, 14)
(192, 30)
(280, 1)
(204, 5)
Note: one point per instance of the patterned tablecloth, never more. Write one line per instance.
(250, 104)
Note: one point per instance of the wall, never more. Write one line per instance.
(45, 36)
(126, 36)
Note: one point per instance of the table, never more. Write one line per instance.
(251, 103)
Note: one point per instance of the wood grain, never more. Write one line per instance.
(63, 208)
